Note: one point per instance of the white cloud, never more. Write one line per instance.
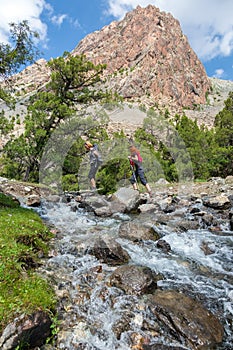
(207, 24)
(219, 73)
(75, 23)
(58, 20)
(17, 11)
(31, 10)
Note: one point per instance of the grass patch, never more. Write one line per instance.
(23, 239)
(7, 201)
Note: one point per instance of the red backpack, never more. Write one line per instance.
(139, 157)
(138, 161)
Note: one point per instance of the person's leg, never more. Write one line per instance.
(133, 181)
(148, 189)
(91, 176)
(143, 180)
(93, 184)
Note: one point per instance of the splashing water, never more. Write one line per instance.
(93, 314)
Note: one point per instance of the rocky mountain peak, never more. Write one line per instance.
(148, 58)
(149, 61)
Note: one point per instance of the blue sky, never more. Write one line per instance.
(62, 24)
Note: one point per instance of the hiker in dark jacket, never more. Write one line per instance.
(95, 161)
(137, 169)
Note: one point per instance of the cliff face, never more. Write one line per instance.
(148, 58)
(31, 79)
(149, 61)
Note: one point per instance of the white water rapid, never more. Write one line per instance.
(89, 308)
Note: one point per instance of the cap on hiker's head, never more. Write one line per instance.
(88, 144)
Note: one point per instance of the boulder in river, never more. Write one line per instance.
(32, 330)
(134, 279)
(109, 251)
(195, 326)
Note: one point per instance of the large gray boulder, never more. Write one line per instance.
(128, 197)
(32, 330)
(196, 326)
(217, 202)
(134, 279)
(109, 251)
(137, 232)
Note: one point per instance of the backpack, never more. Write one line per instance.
(99, 159)
(133, 162)
(139, 157)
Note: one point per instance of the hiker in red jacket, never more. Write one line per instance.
(137, 169)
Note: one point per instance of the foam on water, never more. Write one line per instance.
(185, 267)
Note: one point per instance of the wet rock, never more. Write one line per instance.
(98, 204)
(231, 224)
(160, 346)
(122, 325)
(137, 341)
(101, 206)
(163, 202)
(195, 326)
(185, 225)
(217, 202)
(104, 211)
(217, 180)
(216, 230)
(208, 220)
(231, 219)
(137, 232)
(163, 245)
(53, 198)
(117, 206)
(229, 180)
(148, 207)
(32, 330)
(162, 218)
(180, 212)
(128, 197)
(206, 248)
(33, 201)
(109, 251)
(3, 180)
(169, 208)
(135, 279)
(73, 206)
(230, 197)
(195, 210)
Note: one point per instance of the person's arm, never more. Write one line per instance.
(134, 157)
(96, 153)
(97, 156)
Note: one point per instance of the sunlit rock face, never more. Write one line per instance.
(152, 58)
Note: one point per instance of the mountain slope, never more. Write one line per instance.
(153, 58)
(149, 61)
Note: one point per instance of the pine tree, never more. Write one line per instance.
(72, 88)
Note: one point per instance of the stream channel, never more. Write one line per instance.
(89, 308)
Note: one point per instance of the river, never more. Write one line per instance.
(90, 308)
